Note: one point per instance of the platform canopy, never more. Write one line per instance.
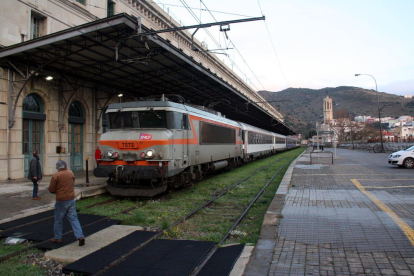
(109, 55)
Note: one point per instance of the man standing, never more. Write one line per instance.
(35, 174)
(62, 185)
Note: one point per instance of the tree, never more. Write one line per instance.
(368, 132)
(311, 133)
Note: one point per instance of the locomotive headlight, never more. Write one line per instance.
(113, 154)
(150, 153)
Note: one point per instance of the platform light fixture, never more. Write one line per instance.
(49, 78)
(379, 110)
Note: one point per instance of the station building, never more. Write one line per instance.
(62, 62)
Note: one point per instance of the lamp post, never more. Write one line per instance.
(379, 113)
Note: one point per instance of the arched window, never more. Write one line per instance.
(75, 110)
(32, 103)
(76, 113)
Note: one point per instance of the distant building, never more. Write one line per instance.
(327, 109)
(404, 131)
(362, 119)
(405, 119)
(408, 96)
(391, 123)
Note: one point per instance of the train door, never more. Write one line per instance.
(32, 139)
(180, 140)
(75, 136)
(186, 130)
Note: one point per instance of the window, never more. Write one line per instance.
(214, 134)
(111, 8)
(134, 119)
(152, 119)
(32, 104)
(76, 113)
(256, 138)
(38, 23)
(75, 110)
(33, 118)
(83, 2)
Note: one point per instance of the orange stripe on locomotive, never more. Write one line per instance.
(150, 143)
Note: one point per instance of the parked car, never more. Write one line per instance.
(403, 158)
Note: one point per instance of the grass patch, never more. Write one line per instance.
(22, 264)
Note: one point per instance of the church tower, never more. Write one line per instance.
(327, 109)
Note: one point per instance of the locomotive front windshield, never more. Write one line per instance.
(137, 119)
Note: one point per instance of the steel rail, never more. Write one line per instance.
(216, 246)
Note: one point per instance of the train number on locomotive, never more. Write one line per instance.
(128, 145)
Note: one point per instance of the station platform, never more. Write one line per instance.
(16, 195)
(352, 217)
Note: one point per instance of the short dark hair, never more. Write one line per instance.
(35, 152)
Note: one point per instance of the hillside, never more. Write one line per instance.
(303, 107)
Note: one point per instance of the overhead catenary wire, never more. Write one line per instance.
(237, 50)
(200, 9)
(219, 44)
(273, 46)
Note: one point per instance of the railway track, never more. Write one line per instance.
(196, 210)
(185, 218)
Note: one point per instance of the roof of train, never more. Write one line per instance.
(168, 104)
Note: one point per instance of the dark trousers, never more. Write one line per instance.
(35, 187)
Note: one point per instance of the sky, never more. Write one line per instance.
(310, 43)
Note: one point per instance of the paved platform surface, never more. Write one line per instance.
(16, 195)
(355, 217)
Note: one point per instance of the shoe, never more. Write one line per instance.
(36, 198)
(81, 241)
(56, 240)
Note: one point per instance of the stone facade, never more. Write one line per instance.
(17, 21)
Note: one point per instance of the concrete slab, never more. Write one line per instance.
(90, 191)
(241, 263)
(73, 252)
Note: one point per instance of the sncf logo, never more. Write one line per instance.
(144, 136)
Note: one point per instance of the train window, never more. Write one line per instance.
(214, 134)
(186, 123)
(174, 120)
(177, 120)
(120, 119)
(152, 119)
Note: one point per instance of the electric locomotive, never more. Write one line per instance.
(156, 144)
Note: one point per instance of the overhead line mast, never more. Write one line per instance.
(206, 25)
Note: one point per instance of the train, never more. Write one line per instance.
(157, 144)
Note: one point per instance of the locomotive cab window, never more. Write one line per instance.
(134, 119)
(152, 119)
(121, 119)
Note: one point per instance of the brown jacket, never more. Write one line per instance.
(63, 185)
